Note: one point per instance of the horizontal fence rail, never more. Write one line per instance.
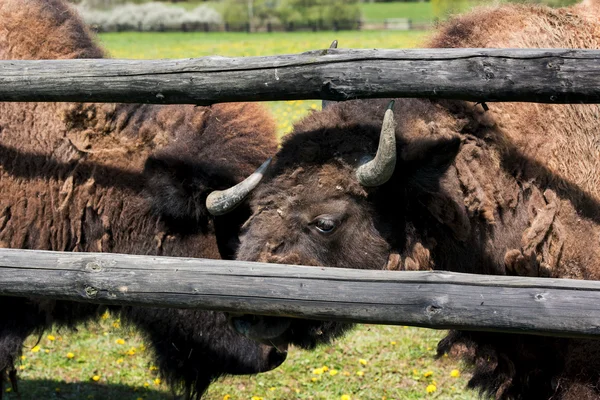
(532, 75)
(429, 299)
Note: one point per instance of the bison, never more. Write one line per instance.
(510, 191)
(128, 179)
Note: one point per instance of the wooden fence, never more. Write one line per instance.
(545, 76)
(429, 299)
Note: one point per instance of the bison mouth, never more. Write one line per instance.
(280, 332)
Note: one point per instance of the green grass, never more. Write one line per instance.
(399, 362)
(372, 362)
(233, 44)
(416, 11)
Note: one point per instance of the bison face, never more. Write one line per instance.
(336, 196)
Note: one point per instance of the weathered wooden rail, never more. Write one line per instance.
(430, 299)
(533, 75)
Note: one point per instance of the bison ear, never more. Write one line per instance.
(424, 162)
(175, 188)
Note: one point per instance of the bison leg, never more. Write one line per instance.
(19, 319)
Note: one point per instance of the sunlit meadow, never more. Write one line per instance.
(108, 361)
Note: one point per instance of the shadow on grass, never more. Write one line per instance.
(30, 389)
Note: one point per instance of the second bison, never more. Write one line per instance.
(122, 178)
(511, 191)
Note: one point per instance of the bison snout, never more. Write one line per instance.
(275, 356)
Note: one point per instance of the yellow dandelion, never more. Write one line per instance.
(105, 315)
(131, 351)
(146, 384)
(157, 381)
(23, 357)
(345, 397)
(272, 388)
(153, 368)
(430, 388)
(455, 373)
(333, 372)
(116, 324)
(318, 371)
(256, 398)
(313, 106)
(35, 349)
(227, 397)
(142, 347)
(119, 360)
(51, 338)
(120, 341)
(96, 378)
(346, 373)
(47, 351)
(427, 374)
(70, 355)
(314, 379)
(22, 367)
(363, 361)
(325, 368)
(393, 342)
(360, 373)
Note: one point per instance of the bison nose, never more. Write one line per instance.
(260, 328)
(275, 356)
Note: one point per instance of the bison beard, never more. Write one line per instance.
(514, 190)
(127, 179)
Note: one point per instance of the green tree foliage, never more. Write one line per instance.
(316, 14)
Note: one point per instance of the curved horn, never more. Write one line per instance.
(327, 103)
(221, 202)
(380, 169)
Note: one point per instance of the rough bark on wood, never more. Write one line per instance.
(430, 299)
(533, 75)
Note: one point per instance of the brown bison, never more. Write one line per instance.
(127, 179)
(511, 191)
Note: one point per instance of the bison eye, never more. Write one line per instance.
(325, 225)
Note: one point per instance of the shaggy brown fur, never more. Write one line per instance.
(515, 190)
(127, 179)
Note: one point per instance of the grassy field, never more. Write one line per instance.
(234, 44)
(108, 361)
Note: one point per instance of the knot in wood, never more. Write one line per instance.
(94, 266)
(433, 309)
(540, 297)
(91, 292)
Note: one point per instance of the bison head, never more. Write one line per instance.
(338, 195)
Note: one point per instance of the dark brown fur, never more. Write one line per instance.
(127, 179)
(515, 190)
